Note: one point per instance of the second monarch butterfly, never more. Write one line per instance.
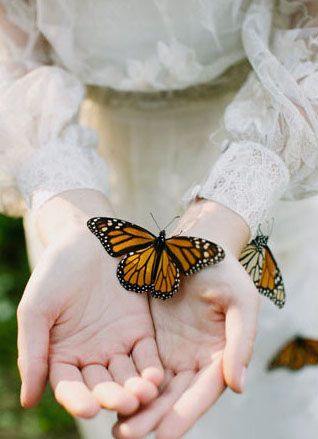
(153, 263)
(260, 264)
(296, 354)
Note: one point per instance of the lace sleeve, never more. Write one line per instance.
(272, 123)
(43, 149)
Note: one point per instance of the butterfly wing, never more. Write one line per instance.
(271, 282)
(119, 237)
(296, 354)
(192, 254)
(135, 270)
(311, 348)
(260, 264)
(142, 271)
(252, 260)
(166, 277)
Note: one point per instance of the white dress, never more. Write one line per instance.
(179, 113)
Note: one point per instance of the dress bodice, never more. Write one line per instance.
(144, 44)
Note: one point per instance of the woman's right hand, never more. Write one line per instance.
(205, 333)
(77, 325)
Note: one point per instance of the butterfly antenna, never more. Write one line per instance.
(155, 221)
(269, 228)
(272, 226)
(173, 219)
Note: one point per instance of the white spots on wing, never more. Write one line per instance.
(201, 244)
(207, 260)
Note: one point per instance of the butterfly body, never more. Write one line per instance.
(260, 264)
(153, 263)
(260, 242)
(150, 269)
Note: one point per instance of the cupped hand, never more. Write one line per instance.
(205, 336)
(81, 329)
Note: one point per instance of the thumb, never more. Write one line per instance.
(240, 330)
(33, 346)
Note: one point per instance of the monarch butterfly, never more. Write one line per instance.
(260, 264)
(296, 354)
(153, 263)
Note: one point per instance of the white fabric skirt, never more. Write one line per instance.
(156, 147)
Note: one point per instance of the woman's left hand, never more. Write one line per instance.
(205, 334)
(78, 327)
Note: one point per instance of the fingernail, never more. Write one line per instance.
(243, 379)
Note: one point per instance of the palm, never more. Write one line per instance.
(200, 336)
(99, 320)
(101, 337)
(190, 332)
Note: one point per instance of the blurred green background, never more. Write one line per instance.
(48, 420)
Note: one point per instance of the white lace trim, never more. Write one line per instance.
(278, 104)
(62, 165)
(43, 150)
(277, 107)
(247, 178)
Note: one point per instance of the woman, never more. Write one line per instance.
(162, 76)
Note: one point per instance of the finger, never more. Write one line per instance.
(109, 395)
(145, 421)
(33, 342)
(241, 327)
(206, 388)
(71, 392)
(146, 358)
(94, 374)
(112, 396)
(124, 372)
(168, 376)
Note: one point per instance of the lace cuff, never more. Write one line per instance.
(247, 178)
(65, 163)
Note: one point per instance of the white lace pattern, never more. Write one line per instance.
(53, 166)
(276, 109)
(54, 153)
(247, 178)
(155, 45)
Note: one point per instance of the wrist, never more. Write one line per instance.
(215, 222)
(67, 213)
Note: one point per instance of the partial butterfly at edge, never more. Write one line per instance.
(261, 265)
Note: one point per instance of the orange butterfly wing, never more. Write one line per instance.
(145, 270)
(296, 354)
(119, 237)
(260, 264)
(135, 271)
(166, 277)
(270, 283)
(192, 254)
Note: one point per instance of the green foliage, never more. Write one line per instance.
(48, 420)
